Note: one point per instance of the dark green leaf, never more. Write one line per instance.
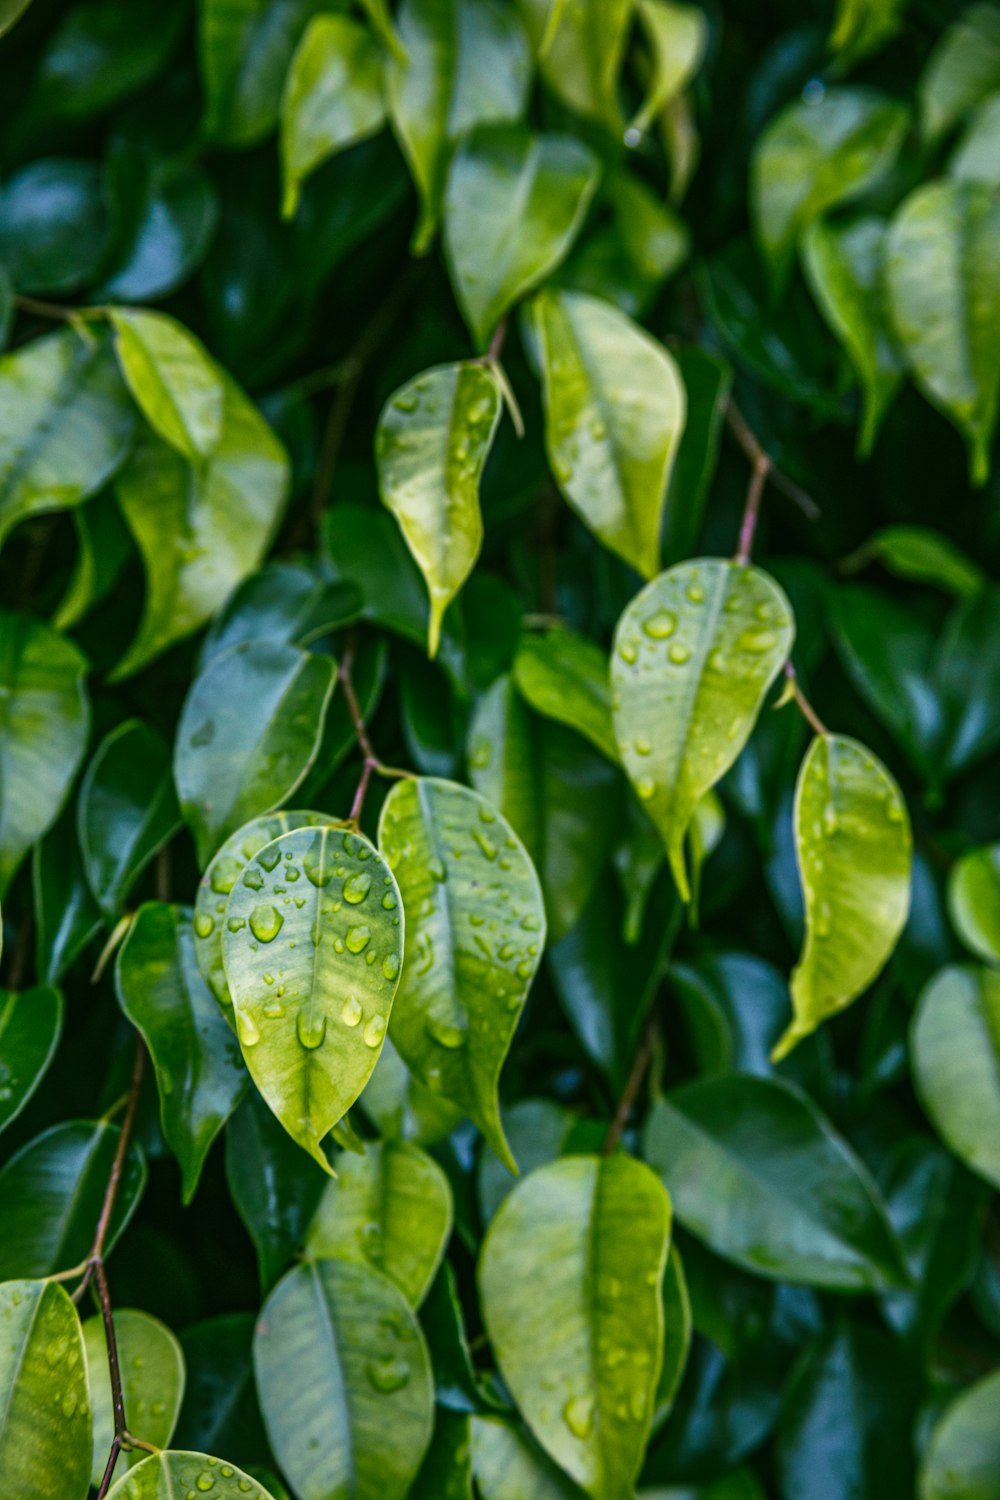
(30, 1028)
(126, 811)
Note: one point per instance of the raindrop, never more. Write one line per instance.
(446, 1035)
(358, 938)
(265, 923)
(224, 875)
(356, 887)
(269, 856)
(374, 1031)
(578, 1414)
(204, 925)
(390, 965)
(660, 626)
(388, 1374)
(679, 654)
(310, 1026)
(352, 1011)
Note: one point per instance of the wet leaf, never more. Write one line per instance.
(678, 36)
(508, 1465)
(178, 388)
(920, 555)
(152, 1376)
(162, 1476)
(956, 1063)
(66, 914)
(30, 1027)
(126, 811)
(44, 1404)
(245, 47)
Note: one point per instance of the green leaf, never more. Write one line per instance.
(564, 676)
(66, 915)
(974, 901)
(52, 1191)
(402, 1108)
(963, 68)
(863, 27)
(963, 1456)
(126, 811)
(845, 265)
(955, 1050)
(220, 1413)
(537, 1130)
(250, 729)
(283, 602)
(245, 47)
(466, 63)
(44, 1405)
(66, 425)
(677, 1330)
(44, 722)
(853, 847)
(446, 1473)
(756, 1171)
(678, 36)
(313, 947)
(345, 1383)
(227, 865)
(474, 937)
(53, 225)
(99, 53)
(332, 98)
(707, 379)
(30, 1027)
(943, 277)
(9, 12)
(431, 445)
(197, 1061)
(634, 242)
(515, 202)
(390, 1208)
(614, 413)
(509, 1466)
(200, 531)
(164, 1476)
(166, 215)
(274, 1186)
(178, 388)
(816, 153)
(581, 50)
(152, 1376)
(571, 1269)
(694, 656)
(103, 548)
(977, 157)
(920, 555)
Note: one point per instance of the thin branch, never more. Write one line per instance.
(49, 309)
(751, 512)
(493, 353)
(636, 1078)
(96, 1257)
(802, 703)
(371, 763)
(763, 470)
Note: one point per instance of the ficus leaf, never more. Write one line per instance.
(565, 677)
(955, 1044)
(580, 50)
(66, 914)
(614, 414)
(974, 901)
(245, 47)
(585, 1239)
(44, 1402)
(962, 69)
(30, 1027)
(678, 36)
(514, 204)
(432, 442)
(853, 847)
(178, 388)
(962, 1457)
(163, 1476)
(126, 810)
(943, 278)
(677, 1331)
(920, 555)
(313, 948)
(345, 1334)
(390, 1208)
(694, 655)
(977, 159)
(474, 937)
(250, 728)
(198, 1068)
(508, 1465)
(151, 1365)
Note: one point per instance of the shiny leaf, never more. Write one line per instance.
(955, 1047)
(163, 1476)
(963, 1456)
(962, 69)
(30, 1027)
(245, 48)
(44, 1404)
(678, 36)
(152, 1376)
(974, 901)
(581, 50)
(274, 1186)
(126, 810)
(179, 390)
(509, 1466)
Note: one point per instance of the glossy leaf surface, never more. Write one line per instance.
(177, 387)
(161, 1476)
(956, 1063)
(974, 901)
(152, 1374)
(45, 1421)
(565, 677)
(126, 811)
(31, 1024)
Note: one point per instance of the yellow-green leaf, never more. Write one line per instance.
(580, 46)
(166, 1476)
(962, 69)
(179, 389)
(974, 901)
(44, 1402)
(565, 677)
(853, 846)
(678, 36)
(694, 655)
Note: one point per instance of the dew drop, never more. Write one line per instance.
(390, 965)
(388, 1374)
(310, 1026)
(660, 626)
(486, 845)
(629, 652)
(358, 938)
(679, 654)
(269, 856)
(265, 923)
(204, 925)
(247, 1028)
(356, 887)
(446, 1035)
(352, 1012)
(253, 878)
(646, 789)
(578, 1414)
(374, 1031)
(224, 875)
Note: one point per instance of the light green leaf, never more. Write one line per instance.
(30, 1027)
(198, 1068)
(474, 939)
(756, 1171)
(845, 265)
(564, 676)
(962, 1460)
(632, 245)
(943, 270)
(431, 445)
(165, 1476)
(178, 388)
(345, 1383)
(10, 10)
(920, 555)
(390, 1208)
(466, 63)
(854, 851)
(814, 154)
(515, 202)
(250, 728)
(227, 865)
(963, 68)
(581, 47)
(44, 722)
(245, 47)
(66, 425)
(152, 1376)
(974, 901)
(977, 157)
(614, 414)
(678, 36)
(126, 811)
(571, 1268)
(313, 947)
(955, 1050)
(332, 98)
(44, 1404)
(380, 16)
(694, 656)
(52, 1191)
(201, 531)
(863, 27)
(508, 1465)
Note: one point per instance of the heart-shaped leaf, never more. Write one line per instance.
(614, 414)
(178, 388)
(433, 439)
(853, 847)
(955, 1045)
(126, 810)
(152, 1375)
(569, 1279)
(250, 728)
(389, 1208)
(514, 204)
(346, 1335)
(694, 655)
(44, 1402)
(474, 936)
(30, 1028)
(199, 1071)
(313, 947)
